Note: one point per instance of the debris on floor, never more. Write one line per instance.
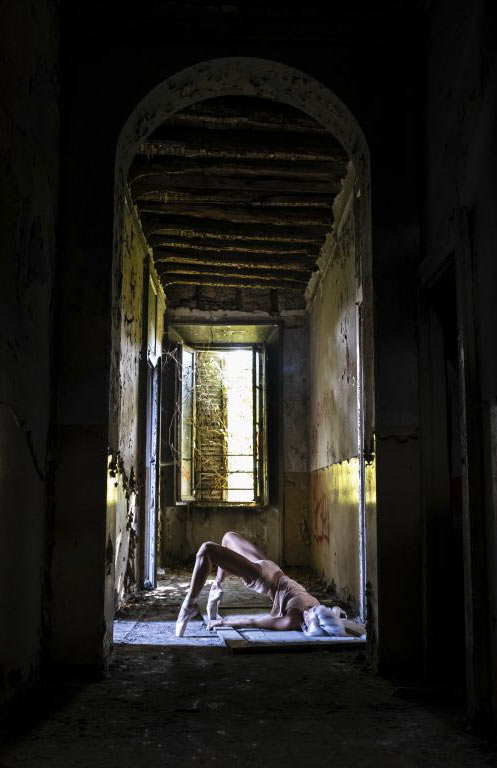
(164, 706)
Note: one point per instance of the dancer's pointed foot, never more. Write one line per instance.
(188, 611)
(214, 600)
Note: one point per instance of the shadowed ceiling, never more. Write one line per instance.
(237, 192)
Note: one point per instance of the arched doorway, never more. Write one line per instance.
(251, 77)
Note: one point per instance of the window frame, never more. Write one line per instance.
(259, 428)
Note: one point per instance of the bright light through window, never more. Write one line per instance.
(238, 376)
(222, 425)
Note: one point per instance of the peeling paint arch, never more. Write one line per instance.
(242, 76)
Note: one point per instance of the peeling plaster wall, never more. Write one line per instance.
(124, 468)
(188, 528)
(29, 132)
(333, 493)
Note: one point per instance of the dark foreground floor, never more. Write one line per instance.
(205, 706)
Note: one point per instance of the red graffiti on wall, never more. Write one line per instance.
(320, 512)
(322, 414)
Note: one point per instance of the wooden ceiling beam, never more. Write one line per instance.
(214, 258)
(277, 216)
(171, 142)
(171, 182)
(227, 282)
(234, 168)
(292, 276)
(240, 197)
(223, 119)
(215, 245)
(184, 227)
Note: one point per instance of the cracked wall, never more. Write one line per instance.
(29, 123)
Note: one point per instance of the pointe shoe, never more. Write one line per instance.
(187, 611)
(213, 601)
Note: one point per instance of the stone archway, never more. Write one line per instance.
(242, 76)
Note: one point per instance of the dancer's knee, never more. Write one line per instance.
(228, 538)
(206, 549)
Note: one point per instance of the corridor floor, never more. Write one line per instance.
(202, 705)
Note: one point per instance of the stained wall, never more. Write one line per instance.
(137, 341)
(29, 160)
(124, 460)
(333, 464)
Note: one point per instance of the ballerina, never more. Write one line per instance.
(293, 607)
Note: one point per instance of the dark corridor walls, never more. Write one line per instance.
(459, 223)
(29, 162)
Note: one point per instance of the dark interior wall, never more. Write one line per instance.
(29, 159)
(396, 179)
(459, 222)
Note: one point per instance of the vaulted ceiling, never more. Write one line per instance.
(237, 192)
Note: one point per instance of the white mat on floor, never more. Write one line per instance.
(245, 639)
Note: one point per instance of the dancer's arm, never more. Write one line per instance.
(291, 620)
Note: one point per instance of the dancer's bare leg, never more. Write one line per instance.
(227, 560)
(237, 543)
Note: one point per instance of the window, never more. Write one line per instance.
(221, 425)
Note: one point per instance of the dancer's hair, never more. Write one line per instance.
(322, 621)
